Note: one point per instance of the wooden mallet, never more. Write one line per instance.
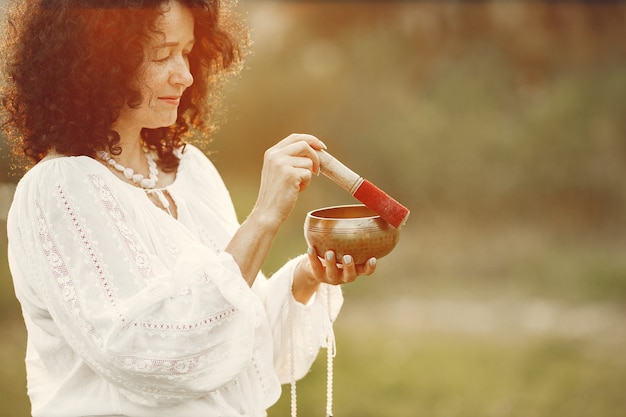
(367, 193)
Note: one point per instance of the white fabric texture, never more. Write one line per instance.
(131, 312)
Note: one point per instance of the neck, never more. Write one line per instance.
(132, 155)
(132, 150)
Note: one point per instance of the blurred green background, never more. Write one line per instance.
(501, 125)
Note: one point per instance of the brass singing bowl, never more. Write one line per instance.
(353, 230)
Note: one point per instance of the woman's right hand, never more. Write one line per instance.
(287, 170)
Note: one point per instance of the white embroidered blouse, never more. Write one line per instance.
(131, 312)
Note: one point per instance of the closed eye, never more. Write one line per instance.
(161, 60)
(169, 45)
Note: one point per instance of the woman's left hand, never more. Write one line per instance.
(311, 271)
(338, 271)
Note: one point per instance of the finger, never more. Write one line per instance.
(300, 168)
(298, 154)
(307, 153)
(348, 273)
(302, 162)
(305, 145)
(332, 271)
(302, 177)
(368, 267)
(297, 171)
(317, 268)
(311, 140)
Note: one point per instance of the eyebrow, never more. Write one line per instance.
(170, 44)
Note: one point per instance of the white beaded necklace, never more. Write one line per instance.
(129, 173)
(147, 184)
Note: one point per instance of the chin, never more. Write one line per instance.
(165, 121)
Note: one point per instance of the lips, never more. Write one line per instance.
(173, 100)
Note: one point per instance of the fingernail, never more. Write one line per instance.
(373, 262)
(310, 250)
(324, 145)
(330, 255)
(347, 259)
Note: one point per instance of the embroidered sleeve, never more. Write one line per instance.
(297, 328)
(162, 329)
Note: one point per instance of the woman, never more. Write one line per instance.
(141, 293)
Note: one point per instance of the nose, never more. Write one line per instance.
(181, 75)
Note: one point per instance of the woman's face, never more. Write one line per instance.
(164, 75)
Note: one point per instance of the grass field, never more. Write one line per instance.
(383, 373)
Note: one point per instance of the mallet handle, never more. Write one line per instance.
(339, 173)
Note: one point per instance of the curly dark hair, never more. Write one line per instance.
(70, 65)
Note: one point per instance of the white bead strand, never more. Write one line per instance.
(331, 351)
(129, 173)
(294, 395)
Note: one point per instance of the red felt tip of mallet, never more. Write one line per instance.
(381, 203)
(367, 193)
